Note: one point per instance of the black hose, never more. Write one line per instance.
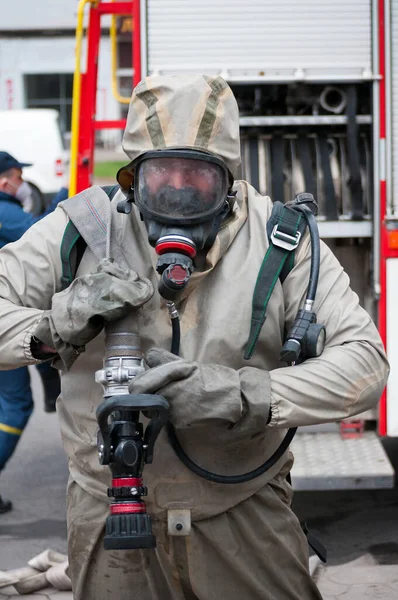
(315, 250)
(315, 255)
(184, 458)
(176, 335)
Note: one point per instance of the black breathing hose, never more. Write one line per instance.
(228, 478)
(176, 335)
(315, 250)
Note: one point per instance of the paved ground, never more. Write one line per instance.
(359, 528)
(360, 531)
(35, 480)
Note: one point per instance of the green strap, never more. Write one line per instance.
(68, 254)
(110, 190)
(274, 261)
(70, 240)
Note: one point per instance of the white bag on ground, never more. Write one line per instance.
(46, 559)
(57, 577)
(49, 568)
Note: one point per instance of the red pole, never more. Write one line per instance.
(136, 46)
(115, 8)
(88, 103)
(383, 207)
(116, 124)
(87, 114)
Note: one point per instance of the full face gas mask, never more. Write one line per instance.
(183, 196)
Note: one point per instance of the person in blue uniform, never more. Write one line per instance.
(16, 402)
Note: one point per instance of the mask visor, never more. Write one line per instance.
(180, 190)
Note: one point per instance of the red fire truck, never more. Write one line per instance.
(317, 87)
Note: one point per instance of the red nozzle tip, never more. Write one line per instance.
(178, 274)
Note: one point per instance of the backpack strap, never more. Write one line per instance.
(285, 229)
(110, 190)
(69, 254)
(73, 245)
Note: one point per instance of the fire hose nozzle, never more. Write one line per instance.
(126, 448)
(122, 442)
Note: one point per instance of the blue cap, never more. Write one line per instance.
(9, 162)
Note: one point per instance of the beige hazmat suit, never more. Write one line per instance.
(245, 542)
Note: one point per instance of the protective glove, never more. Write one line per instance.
(200, 393)
(79, 313)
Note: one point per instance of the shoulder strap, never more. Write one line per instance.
(69, 254)
(285, 229)
(73, 245)
(110, 190)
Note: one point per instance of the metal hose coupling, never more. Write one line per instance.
(122, 443)
(123, 359)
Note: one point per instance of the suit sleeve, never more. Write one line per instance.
(30, 274)
(350, 375)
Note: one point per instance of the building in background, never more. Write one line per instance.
(37, 60)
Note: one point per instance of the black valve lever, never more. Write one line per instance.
(124, 445)
(154, 408)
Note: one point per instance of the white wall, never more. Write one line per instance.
(22, 56)
(38, 14)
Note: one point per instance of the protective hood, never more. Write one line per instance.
(196, 112)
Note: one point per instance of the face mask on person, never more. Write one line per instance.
(24, 195)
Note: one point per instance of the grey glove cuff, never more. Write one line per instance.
(197, 394)
(200, 394)
(255, 386)
(66, 353)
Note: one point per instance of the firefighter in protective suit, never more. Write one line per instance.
(230, 414)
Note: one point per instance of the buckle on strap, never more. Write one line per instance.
(284, 240)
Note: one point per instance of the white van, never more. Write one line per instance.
(33, 136)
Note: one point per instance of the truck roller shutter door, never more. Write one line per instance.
(247, 40)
